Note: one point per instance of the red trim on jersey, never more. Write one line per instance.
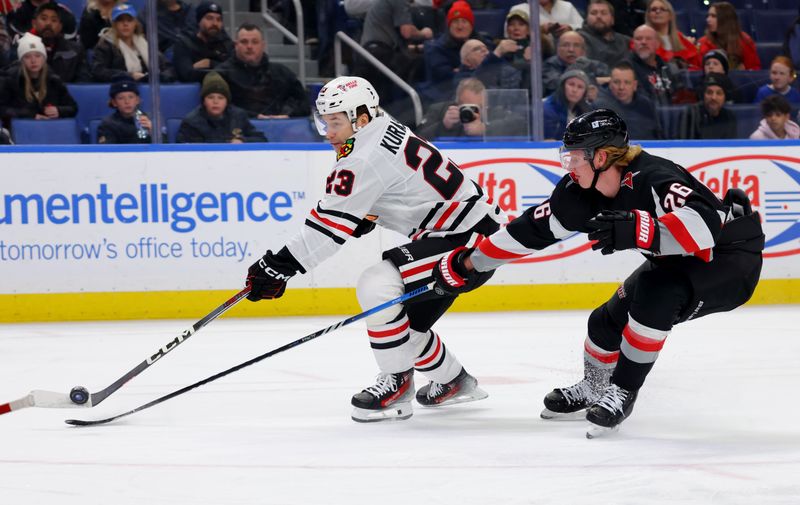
(640, 342)
(604, 357)
(418, 235)
(704, 255)
(389, 333)
(4, 408)
(416, 270)
(446, 214)
(489, 249)
(435, 353)
(331, 224)
(679, 231)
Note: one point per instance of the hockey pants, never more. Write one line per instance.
(627, 332)
(401, 336)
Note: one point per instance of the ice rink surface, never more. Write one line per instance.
(718, 421)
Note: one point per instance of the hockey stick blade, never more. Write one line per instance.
(312, 336)
(52, 399)
(41, 398)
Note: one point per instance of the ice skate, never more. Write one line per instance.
(464, 388)
(388, 400)
(568, 404)
(610, 410)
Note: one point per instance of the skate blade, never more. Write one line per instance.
(397, 412)
(473, 396)
(596, 431)
(549, 415)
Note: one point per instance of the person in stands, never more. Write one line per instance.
(776, 123)
(216, 120)
(724, 31)
(30, 90)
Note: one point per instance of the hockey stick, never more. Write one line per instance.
(312, 336)
(80, 397)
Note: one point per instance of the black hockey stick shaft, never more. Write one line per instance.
(98, 397)
(312, 336)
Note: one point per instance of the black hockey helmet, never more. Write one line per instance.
(597, 128)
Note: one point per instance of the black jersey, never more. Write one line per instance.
(688, 214)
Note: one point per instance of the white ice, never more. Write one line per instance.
(718, 421)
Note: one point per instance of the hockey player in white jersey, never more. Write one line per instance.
(385, 175)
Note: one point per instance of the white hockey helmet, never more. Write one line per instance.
(346, 94)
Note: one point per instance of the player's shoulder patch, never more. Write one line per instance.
(345, 149)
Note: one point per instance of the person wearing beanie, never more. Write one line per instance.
(566, 103)
(66, 58)
(776, 123)
(716, 61)
(30, 89)
(195, 54)
(710, 119)
(123, 48)
(516, 48)
(443, 55)
(127, 124)
(216, 120)
(389, 30)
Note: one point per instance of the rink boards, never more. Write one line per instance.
(99, 232)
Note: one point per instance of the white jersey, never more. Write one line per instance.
(401, 182)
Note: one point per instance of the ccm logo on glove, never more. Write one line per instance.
(278, 276)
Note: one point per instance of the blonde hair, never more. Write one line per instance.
(31, 94)
(673, 31)
(112, 31)
(620, 156)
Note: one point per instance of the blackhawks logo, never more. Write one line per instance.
(345, 149)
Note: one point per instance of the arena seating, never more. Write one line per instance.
(53, 131)
(288, 130)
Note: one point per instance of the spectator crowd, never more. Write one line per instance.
(667, 77)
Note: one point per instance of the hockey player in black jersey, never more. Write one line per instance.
(386, 176)
(702, 255)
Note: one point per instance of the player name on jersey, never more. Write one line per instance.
(393, 138)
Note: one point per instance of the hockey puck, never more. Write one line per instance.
(79, 395)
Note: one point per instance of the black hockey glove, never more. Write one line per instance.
(617, 230)
(364, 227)
(450, 274)
(268, 276)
